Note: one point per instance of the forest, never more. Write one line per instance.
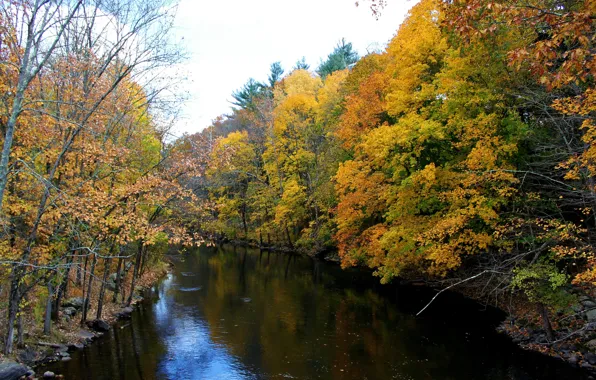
(460, 154)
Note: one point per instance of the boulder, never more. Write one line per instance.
(61, 348)
(111, 285)
(70, 311)
(28, 355)
(590, 358)
(124, 313)
(49, 375)
(76, 302)
(577, 308)
(591, 315)
(76, 346)
(99, 325)
(13, 371)
(86, 336)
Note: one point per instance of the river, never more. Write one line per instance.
(237, 313)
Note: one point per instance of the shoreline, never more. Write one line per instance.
(574, 352)
(25, 362)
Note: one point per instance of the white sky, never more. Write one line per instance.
(230, 41)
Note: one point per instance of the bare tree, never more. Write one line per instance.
(114, 42)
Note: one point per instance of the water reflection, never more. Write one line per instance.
(230, 313)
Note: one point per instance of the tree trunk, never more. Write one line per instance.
(62, 289)
(546, 322)
(13, 308)
(89, 284)
(135, 273)
(244, 224)
(118, 280)
(47, 325)
(20, 331)
(79, 270)
(289, 238)
(143, 262)
(102, 291)
(85, 274)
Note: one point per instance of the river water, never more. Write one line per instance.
(236, 313)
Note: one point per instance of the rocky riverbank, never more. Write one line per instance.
(574, 339)
(70, 336)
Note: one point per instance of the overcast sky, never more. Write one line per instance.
(230, 41)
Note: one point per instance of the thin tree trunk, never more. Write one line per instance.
(85, 274)
(143, 262)
(47, 326)
(13, 308)
(546, 322)
(62, 289)
(289, 238)
(135, 273)
(20, 331)
(244, 224)
(118, 281)
(89, 284)
(102, 291)
(79, 270)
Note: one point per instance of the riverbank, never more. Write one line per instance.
(67, 333)
(574, 332)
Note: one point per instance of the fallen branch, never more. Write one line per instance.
(457, 283)
(46, 344)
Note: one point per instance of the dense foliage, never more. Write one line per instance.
(86, 177)
(463, 150)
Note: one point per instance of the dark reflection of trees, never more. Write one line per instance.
(242, 278)
(309, 319)
(137, 359)
(288, 266)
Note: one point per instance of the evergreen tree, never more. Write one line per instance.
(342, 57)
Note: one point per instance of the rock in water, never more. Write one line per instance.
(49, 375)
(13, 371)
(99, 325)
(86, 336)
(76, 346)
(125, 313)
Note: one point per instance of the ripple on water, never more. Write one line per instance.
(193, 289)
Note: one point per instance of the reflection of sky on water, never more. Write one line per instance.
(191, 354)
